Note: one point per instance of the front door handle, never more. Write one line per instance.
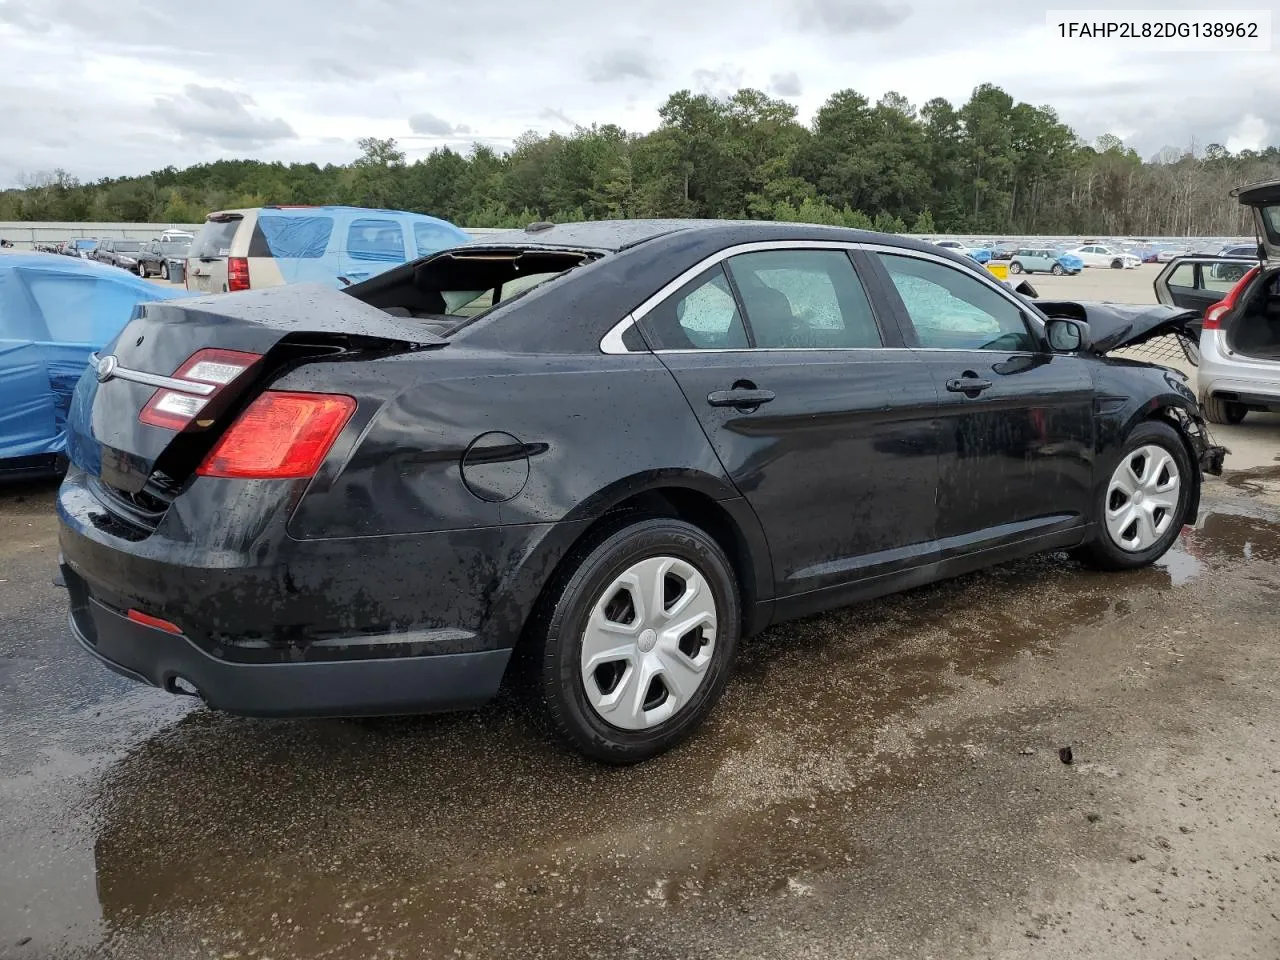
(970, 385)
(739, 397)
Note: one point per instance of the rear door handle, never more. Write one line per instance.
(969, 386)
(739, 397)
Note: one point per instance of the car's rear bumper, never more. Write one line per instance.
(352, 687)
(1250, 381)
(266, 624)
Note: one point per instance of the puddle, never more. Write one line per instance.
(1225, 537)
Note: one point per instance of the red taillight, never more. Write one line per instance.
(280, 436)
(137, 616)
(1214, 314)
(237, 274)
(173, 409)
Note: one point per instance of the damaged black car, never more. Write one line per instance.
(592, 457)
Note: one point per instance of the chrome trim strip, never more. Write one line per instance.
(166, 383)
(611, 342)
(156, 380)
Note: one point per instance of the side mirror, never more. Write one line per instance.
(1068, 336)
(1027, 290)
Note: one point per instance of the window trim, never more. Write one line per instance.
(611, 343)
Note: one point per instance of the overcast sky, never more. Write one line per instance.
(118, 87)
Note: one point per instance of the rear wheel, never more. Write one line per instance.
(1057, 270)
(1015, 267)
(639, 641)
(1144, 504)
(1223, 411)
(164, 271)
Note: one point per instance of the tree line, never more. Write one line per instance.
(990, 166)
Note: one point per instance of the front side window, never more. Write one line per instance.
(949, 309)
(701, 315)
(804, 299)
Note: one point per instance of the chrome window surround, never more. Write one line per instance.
(611, 342)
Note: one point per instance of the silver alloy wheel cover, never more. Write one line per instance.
(648, 646)
(1145, 489)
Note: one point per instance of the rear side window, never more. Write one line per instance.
(804, 299)
(949, 309)
(430, 237)
(295, 238)
(214, 238)
(701, 315)
(369, 239)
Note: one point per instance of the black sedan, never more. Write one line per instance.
(614, 449)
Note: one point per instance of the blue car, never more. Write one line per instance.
(981, 254)
(54, 312)
(1045, 260)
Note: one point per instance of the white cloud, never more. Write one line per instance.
(1251, 133)
(107, 89)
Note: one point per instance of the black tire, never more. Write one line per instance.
(1015, 267)
(559, 627)
(1057, 270)
(164, 271)
(1117, 264)
(1217, 410)
(1102, 552)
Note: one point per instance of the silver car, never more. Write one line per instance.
(1239, 363)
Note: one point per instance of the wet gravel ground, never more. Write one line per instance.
(880, 782)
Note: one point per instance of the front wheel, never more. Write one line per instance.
(639, 641)
(1057, 270)
(1117, 264)
(1144, 504)
(1015, 267)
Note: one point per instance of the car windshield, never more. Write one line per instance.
(127, 246)
(86, 244)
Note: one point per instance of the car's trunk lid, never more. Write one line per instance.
(1264, 199)
(284, 326)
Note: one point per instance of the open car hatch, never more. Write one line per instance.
(1264, 198)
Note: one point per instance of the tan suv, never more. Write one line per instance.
(270, 246)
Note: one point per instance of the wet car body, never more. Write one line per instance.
(482, 453)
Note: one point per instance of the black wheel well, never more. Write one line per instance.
(677, 503)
